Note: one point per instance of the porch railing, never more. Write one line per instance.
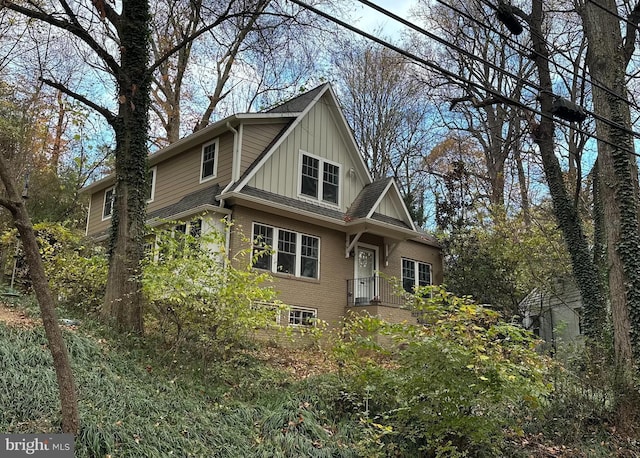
(371, 291)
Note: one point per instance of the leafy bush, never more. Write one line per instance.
(196, 293)
(76, 268)
(448, 386)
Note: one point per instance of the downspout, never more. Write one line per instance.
(235, 175)
(235, 167)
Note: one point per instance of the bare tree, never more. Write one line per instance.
(384, 103)
(259, 46)
(481, 56)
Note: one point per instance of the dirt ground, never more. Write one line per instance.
(14, 317)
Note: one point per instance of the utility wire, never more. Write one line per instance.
(459, 78)
(484, 61)
(613, 13)
(526, 52)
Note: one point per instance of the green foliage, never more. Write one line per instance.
(130, 405)
(447, 387)
(509, 255)
(76, 268)
(196, 293)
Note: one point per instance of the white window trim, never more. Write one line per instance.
(104, 202)
(215, 161)
(318, 198)
(154, 173)
(298, 254)
(302, 309)
(416, 263)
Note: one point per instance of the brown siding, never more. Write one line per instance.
(328, 294)
(95, 224)
(180, 175)
(175, 178)
(255, 138)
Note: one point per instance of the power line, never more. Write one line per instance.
(459, 78)
(484, 61)
(505, 72)
(526, 52)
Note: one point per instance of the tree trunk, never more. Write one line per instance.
(124, 300)
(66, 386)
(584, 270)
(607, 63)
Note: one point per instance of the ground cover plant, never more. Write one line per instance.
(461, 382)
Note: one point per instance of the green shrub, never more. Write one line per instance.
(447, 387)
(76, 268)
(195, 293)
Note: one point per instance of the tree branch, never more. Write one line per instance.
(224, 16)
(110, 117)
(71, 26)
(632, 29)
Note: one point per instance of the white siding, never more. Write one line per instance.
(317, 134)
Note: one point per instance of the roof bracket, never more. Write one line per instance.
(350, 244)
(389, 248)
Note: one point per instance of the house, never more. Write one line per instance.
(292, 177)
(554, 313)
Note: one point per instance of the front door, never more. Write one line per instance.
(365, 279)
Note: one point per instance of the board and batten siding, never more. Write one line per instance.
(390, 207)
(317, 134)
(255, 139)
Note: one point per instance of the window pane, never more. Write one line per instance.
(330, 183)
(408, 275)
(208, 160)
(424, 274)
(286, 252)
(301, 317)
(108, 202)
(310, 167)
(149, 193)
(309, 257)
(195, 230)
(262, 237)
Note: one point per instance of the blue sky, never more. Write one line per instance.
(370, 20)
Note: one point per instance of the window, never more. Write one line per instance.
(310, 185)
(109, 198)
(208, 165)
(287, 252)
(262, 243)
(194, 229)
(410, 280)
(295, 254)
(302, 317)
(151, 184)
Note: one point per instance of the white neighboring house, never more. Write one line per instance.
(554, 313)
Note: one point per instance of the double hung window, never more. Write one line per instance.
(319, 179)
(209, 159)
(415, 274)
(283, 251)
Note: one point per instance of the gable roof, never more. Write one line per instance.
(311, 98)
(370, 194)
(299, 103)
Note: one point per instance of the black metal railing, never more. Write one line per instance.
(371, 291)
